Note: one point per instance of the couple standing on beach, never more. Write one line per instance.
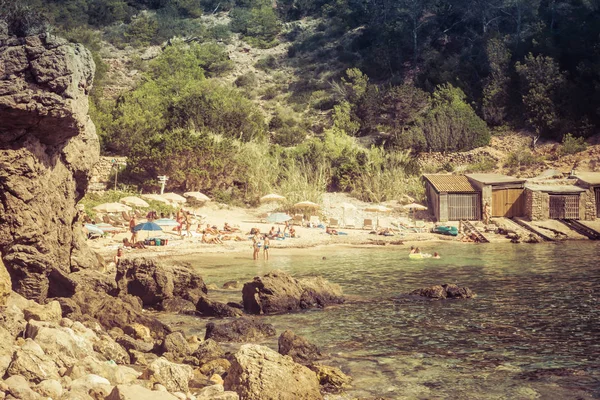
(256, 245)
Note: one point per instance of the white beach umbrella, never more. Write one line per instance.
(197, 195)
(112, 208)
(378, 209)
(173, 197)
(134, 201)
(307, 204)
(414, 207)
(271, 198)
(155, 197)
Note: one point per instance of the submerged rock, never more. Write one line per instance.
(297, 347)
(332, 379)
(240, 330)
(259, 373)
(279, 292)
(211, 308)
(445, 291)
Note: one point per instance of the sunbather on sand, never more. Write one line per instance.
(229, 228)
(136, 245)
(331, 231)
(386, 232)
(292, 232)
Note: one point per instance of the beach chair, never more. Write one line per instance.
(420, 226)
(106, 220)
(97, 220)
(126, 216)
(349, 224)
(314, 221)
(298, 219)
(333, 223)
(368, 224)
(117, 222)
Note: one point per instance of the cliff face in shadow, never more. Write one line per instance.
(48, 145)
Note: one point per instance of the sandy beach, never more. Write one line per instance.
(246, 219)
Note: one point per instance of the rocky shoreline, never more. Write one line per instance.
(96, 346)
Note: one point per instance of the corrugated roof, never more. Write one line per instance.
(490, 179)
(450, 183)
(591, 178)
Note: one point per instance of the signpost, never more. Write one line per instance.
(163, 180)
(116, 165)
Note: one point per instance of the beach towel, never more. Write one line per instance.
(342, 233)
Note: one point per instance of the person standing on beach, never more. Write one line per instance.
(132, 224)
(179, 220)
(255, 246)
(486, 213)
(188, 224)
(266, 243)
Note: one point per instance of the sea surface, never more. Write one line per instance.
(532, 332)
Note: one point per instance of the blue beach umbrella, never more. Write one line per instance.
(94, 229)
(278, 217)
(147, 226)
(166, 222)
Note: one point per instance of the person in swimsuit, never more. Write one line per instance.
(255, 246)
(266, 244)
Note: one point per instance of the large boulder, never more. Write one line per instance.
(136, 392)
(278, 292)
(259, 373)
(174, 377)
(239, 330)
(207, 351)
(46, 312)
(108, 348)
(445, 291)
(62, 344)
(20, 389)
(115, 374)
(210, 308)
(31, 362)
(48, 146)
(118, 312)
(176, 345)
(297, 347)
(154, 282)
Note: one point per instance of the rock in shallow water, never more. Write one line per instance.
(445, 291)
(297, 347)
(278, 292)
(239, 330)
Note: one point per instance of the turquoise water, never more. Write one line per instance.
(532, 332)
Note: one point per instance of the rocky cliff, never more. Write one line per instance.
(48, 145)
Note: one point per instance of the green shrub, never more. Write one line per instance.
(452, 125)
(246, 80)
(484, 165)
(522, 158)
(220, 32)
(21, 19)
(572, 145)
(270, 92)
(266, 63)
(142, 30)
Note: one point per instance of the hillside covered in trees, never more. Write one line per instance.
(344, 94)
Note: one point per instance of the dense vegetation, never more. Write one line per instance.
(413, 75)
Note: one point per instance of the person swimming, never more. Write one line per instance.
(436, 255)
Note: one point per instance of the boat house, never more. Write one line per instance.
(504, 194)
(452, 197)
(554, 201)
(591, 182)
